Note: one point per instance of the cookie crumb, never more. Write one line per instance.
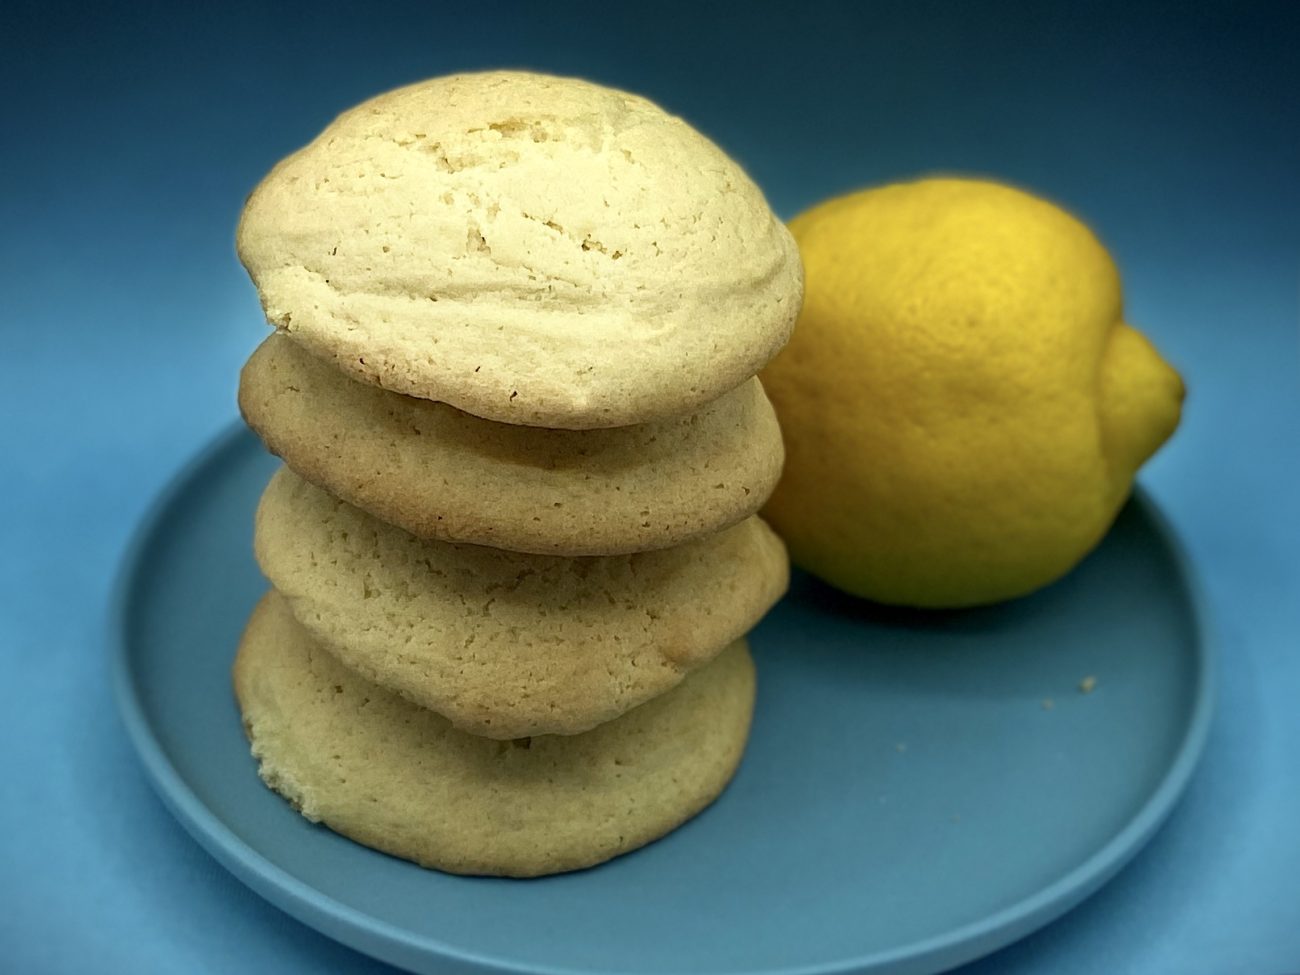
(1048, 704)
(900, 747)
(1087, 684)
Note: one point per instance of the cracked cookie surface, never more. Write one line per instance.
(530, 249)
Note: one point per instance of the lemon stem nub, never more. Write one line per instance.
(1141, 399)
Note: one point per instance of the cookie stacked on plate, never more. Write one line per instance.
(513, 546)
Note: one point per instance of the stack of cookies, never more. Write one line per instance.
(513, 545)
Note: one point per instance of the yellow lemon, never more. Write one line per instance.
(964, 407)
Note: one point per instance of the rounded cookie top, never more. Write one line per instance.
(508, 645)
(401, 779)
(530, 249)
(441, 473)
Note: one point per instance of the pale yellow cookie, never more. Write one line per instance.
(503, 644)
(530, 249)
(401, 779)
(444, 474)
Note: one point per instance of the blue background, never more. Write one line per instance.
(130, 137)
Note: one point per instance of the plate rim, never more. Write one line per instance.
(398, 946)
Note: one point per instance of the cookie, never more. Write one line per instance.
(441, 473)
(530, 249)
(503, 644)
(401, 779)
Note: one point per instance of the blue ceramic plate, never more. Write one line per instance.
(919, 790)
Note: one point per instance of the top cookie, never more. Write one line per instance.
(530, 249)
